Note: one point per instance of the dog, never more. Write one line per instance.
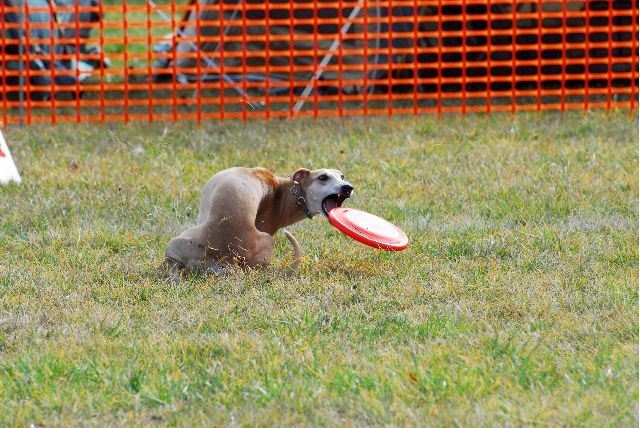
(241, 209)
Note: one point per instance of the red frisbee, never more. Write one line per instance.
(369, 229)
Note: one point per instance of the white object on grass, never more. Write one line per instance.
(8, 170)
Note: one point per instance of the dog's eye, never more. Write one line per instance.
(323, 177)
(342, 177)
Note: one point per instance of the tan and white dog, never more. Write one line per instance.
(242, 208)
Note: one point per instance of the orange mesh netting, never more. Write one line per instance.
(159, 60)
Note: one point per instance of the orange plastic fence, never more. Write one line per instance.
(170, 60)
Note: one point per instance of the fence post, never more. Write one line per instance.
(21, 62)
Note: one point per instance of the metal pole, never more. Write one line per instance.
(327, 57)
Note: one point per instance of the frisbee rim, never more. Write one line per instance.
(346, 227)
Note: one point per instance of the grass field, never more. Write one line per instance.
(516, 304)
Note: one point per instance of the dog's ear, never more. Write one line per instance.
(300, 175)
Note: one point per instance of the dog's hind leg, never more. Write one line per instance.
(186, 250)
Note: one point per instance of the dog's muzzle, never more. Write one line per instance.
(336, 199)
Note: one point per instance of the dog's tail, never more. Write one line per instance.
(297, 253)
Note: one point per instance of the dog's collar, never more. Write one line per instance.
(300, 200)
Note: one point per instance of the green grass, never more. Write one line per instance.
(516, 303)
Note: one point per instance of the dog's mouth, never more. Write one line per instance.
(333, 201)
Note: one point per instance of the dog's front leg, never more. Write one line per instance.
(261, 254)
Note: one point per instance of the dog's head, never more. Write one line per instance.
(322, 189)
